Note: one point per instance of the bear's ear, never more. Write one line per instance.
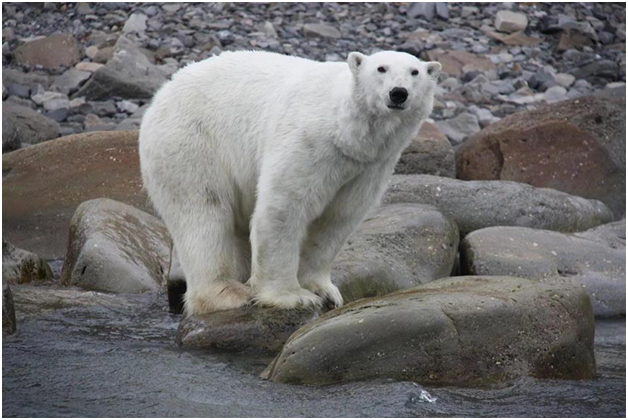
(433, 69)
(355, 60)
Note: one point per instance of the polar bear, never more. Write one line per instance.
(261, 165)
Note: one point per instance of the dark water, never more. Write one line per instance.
(88, 354)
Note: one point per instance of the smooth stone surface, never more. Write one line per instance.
(70, 81)
(576, 146)
(458, 330)
(50, 52)
(248, 328)
(397, 247)
(113, 247)
(507, 21)
(23, 125)
(583, 259)
(9, 324)
(21, 266)
(43, 185)
(478, 204)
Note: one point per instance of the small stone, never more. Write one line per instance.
(20, 266)
(322, 30)
(127, 106)
(555, 94)
(89, 67)
(70, 81)
(91, 51)
(459, 128)
(92, 121)
(507, 21)
(135, 23)
(565, 79)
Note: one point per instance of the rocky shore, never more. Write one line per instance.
(499, 243)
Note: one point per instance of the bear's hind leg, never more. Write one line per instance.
(214, 260)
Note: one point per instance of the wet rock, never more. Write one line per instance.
(8, 311)
(397, 247)
(113, 247)
(553, 257)
(507, 21)
(44, 184)
(20, 266)
(460, 330)
(456, 62)
(23, 125)
(457, 129)
(430, 153)
(50, 52)
(248, 328)
(576, 146)
(322, 30)
(127, 75)
(70, 81)
(478, 204)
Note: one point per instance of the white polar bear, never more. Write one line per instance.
(261, 165)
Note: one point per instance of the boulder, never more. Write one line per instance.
(585, 259)
(507, 21)
(457, 62)
(457, 129)
(430, 153)
(459, 330)
(23, 125)
(16, 77)
(248, 328)
(113, 247)
(50, 52)
(43, 185)
(70, 81)
(397, 247)
(478, 204)
(20, 266)
(128, 74)
(8, 310)
(576, 146)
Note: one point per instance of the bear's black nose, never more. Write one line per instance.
(398, 95)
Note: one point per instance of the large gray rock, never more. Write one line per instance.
(478, 204)
(460, 330)
(584, 259)
(23, 125)
(243, 329)
(116, 248)
(128, 74)
(398, 247)
(20, 266)
(8, 310)
(430, 153)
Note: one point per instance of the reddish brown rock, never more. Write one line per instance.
(44, 184)
(430, 153)
(455, 63)
(576, 146)
(50, 52)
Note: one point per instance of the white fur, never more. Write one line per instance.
(261, 165)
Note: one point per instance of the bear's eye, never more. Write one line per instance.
(415, 72)
(381, 69)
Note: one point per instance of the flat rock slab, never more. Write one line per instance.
(243, 329)
(576, 146)
(116, 248)
(398, 247)
(50, 52)
(459, 330)
(478, 204)
(43, 185)
(593, 265)
(21, 266)
(430, 153)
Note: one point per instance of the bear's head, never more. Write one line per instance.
(394, 82)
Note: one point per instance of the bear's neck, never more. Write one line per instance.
(365, 136)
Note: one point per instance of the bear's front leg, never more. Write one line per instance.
(288, 200)
(329, 232)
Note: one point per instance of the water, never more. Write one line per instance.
(89, 354)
